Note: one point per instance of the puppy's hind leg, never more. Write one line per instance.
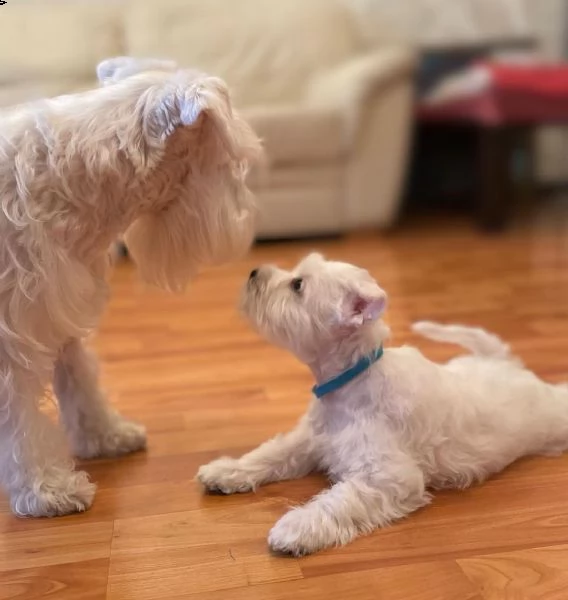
(35, 467)
(550, 422)
(287, 456)
(94, 428)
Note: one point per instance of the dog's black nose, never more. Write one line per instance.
(253, 274)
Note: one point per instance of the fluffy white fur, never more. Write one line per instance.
(403, 428)
(156, 154)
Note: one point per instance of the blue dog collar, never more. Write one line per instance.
(349, 375)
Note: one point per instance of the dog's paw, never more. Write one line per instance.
(294, 534)
(224, 476)
(306, 530)
(58, 494)
(117, 438)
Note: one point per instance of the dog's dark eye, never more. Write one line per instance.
(297, 284)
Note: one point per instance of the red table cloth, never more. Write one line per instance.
(513, 93)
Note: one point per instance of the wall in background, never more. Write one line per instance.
(550, 21)
(428, 23)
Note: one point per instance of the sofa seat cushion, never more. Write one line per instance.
(299, 134)
(303, 200)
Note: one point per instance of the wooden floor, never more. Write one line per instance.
(205, 385)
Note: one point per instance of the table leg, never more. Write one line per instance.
(495, 187)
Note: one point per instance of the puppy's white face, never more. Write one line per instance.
(316, 304)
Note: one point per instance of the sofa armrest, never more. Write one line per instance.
(350, 84)
(374, 95)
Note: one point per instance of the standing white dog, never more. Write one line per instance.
(386, 427)
(157, 154)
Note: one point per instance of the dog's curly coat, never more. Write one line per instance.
(156, 154)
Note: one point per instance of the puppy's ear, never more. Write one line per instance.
(120, 67)
(364, 303)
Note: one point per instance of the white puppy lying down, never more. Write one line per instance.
(401, 426)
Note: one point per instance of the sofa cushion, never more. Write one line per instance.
(301, 200)
(266, 51)
(293, 134)
(60, 40)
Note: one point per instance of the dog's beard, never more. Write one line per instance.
(169, 247)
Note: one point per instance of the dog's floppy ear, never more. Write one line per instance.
(111, 70)
(189, 98)
(364, 302)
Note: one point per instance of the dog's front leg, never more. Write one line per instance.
(35, 466)
(287, 456)
(94, 428)
(351, 507)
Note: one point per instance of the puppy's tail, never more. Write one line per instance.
(476, 340)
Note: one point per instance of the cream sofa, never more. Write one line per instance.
(334, 114)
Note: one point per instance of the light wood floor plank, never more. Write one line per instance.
(533, 574)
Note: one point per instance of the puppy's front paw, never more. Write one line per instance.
(294, 534)
(306, 530)
(115, 438)
(59, 493)
(224, 476)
